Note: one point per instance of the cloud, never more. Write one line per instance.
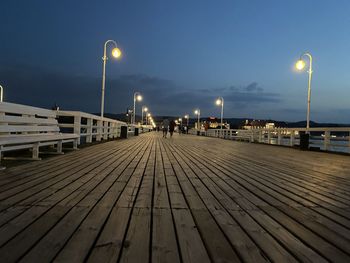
(43, 88)
(251, 93)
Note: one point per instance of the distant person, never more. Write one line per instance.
(55, 107)
(165, 127)
(172, 127)
(158, 128)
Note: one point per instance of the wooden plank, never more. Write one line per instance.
(164, 243)
(27, 120)
(216, 243)
(45, 205)
(112, 238)
(191, 244)
(7, 107)
(27, 128)
(19, 174)
(332, 250)
(80, 243)
(177, 201)
(83, 205)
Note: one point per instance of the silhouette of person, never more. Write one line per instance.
(172, 127)
(165, 127)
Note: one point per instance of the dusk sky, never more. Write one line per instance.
(180, 55)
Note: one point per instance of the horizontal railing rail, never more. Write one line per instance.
(89, 126)
(325, 138)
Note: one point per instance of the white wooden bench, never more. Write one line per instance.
(26, 127)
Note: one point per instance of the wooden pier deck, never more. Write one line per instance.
(185, 199)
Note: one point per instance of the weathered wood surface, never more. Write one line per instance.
(185, 199)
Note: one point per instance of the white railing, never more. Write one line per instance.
(326, 138)
(141, 129)
(89, 126)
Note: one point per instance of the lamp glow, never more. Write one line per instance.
(138, 97)
(218, 102)
(300, 65)
(116, 52)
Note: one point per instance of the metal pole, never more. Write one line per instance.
(222, 112)
(309, 92)
(103, 81)
(133, 113)
(142, 115)
(104, 58)
(198, 125)
(1, 94)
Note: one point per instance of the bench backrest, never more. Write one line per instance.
(17, 119)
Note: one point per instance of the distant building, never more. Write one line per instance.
(270, 125)
(258, 124)
(213, 123)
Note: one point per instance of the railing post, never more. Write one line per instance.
(110, 130)
(77, 126)
(292, 138)
(279, 137)
(118, 130)
(268, 136)
(327, 139)
(260, 136)
(89, 130)
(105, 130)
(99, 130)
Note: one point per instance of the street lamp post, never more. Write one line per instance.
(115, 53)
(220, 101)
(1, 94)
(148, 116)
(137, 97)
(187, 118)
(180, 125)
(300, 65)
(144, 109)
(198, 113)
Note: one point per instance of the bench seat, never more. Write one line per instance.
(37, 138)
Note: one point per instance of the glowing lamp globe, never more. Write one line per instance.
(138, 97)
(218, 102)
(145, 109)
(196, 112)
(116, 52)
(300, 65)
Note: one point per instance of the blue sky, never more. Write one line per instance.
(180, 55)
